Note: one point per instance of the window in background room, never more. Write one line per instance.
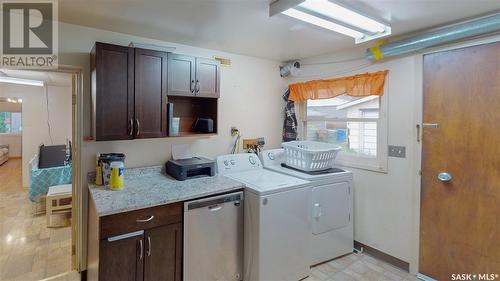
(353, 123)
(10, 123)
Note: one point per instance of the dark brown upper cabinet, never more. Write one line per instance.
(131, 89)
(193, 77)
(207, 78)
(129, 92)
(181, 75)
(112, 91)
(150, 94)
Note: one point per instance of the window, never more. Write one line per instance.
(357, 124)
(10, 123)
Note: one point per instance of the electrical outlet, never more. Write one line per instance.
(234, 131)
(397, 151)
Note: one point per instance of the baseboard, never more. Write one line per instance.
(382, 256)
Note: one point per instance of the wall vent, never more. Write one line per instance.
(223, 61)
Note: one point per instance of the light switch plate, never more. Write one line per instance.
(397, 151)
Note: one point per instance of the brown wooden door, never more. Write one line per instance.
(113, 91)
(460, 218)
(150, 94)
(163, 253)
(207, 78)
(122, 260)
(181, 75)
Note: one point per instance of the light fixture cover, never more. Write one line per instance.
(13, 80)
(335, 17)
(322, 23)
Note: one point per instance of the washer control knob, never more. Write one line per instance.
(270, 155)
(251, 159)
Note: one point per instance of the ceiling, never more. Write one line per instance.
(244, 27)
(51, 78)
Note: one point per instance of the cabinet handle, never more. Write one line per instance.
(197, 87)
(192, 86)
(148, 252)
(131, 130)
(141, 246)
(145, 220)
(138, 127)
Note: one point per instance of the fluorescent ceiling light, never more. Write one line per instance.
(322, 23)
(332, 16)
(12, 80)
(334, 11)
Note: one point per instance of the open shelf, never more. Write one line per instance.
(188, 109)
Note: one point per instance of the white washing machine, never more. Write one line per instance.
(276, 229)
(331, 207)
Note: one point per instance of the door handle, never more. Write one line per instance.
(430, 125)
(197, 86)
(138, 127)
(214, 208)
(131, 130)
(192, 86)
(141, 250)
(148, 252)
(444, 177)
(145, 220)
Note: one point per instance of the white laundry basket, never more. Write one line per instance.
(310, 155)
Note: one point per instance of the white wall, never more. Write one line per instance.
(251, 90)
(13, 140)
(383, 202)
(34, 118)
(15, 143)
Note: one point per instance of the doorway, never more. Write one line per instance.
(460, 191)
(38, 237)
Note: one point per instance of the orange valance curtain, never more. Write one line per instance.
(360, 85)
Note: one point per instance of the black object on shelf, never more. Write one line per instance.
(203, 125)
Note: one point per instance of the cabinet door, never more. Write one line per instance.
(163, 253)
(150, 94)
(181, 75)
(122, 259)
(113, 91)
(207, 78)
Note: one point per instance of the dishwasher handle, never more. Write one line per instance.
(215, 203)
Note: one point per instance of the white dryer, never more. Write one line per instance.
(331, 207)
(276, 229)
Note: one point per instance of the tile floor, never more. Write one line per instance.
(358, 267)
(28, 249)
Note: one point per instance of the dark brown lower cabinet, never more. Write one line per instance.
(122, 259)
(163, 253)
(140, 245)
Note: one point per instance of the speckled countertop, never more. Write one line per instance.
(149, 186)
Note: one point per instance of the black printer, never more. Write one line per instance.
(182, 169)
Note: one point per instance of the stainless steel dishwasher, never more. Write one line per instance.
(213, 238)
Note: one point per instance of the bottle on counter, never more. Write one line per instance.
(116, 181)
